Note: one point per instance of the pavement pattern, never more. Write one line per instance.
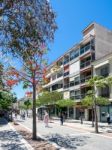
(70, 138)
(10, 139)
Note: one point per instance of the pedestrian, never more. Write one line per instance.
(46, 119)
(108, 118)
(61, 118)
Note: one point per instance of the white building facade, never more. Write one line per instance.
(69, 73)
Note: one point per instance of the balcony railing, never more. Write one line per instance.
(72, 84)
(107, 95)
(66, 73)
(105, 74)
(57, 87)
(66, 61)
(75, 97)
(86, 48)
(66, 86)
(83, 80)
(59, 75)
(83, 65)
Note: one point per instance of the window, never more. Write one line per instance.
(77, 94)
(74, 54)
(85, 48)
(66, 60)
(53, 77)
(72, 94)
(59, 74)
(105, 92)
(71, 83)
(77, 80)
(66, 73)
(105, 71)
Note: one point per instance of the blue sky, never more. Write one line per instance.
(72, 17)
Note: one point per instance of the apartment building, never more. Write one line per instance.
(103, 67)
(69, 73)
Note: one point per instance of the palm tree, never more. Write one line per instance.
(88, 101)
(94, 83)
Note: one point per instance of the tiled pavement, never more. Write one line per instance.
(10, 139)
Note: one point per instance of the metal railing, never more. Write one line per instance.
(66, 86)
(66, 61)
(86, 48)
(83, 65)
(83, 80)
(66, 74)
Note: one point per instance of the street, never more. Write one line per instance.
(70, 138)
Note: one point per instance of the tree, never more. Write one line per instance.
(65, 103)
(31, 74)
(27, 103)
(96, 82)
(1, 76)
(25, 28)
(88, 102)
(24, 25)
(47, 98)
(6, 100)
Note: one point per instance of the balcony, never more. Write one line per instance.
(66, 61)
(66, 86)
(83, 80)
(104, 92)
(57, 86)
(85, 64)
(86, 48)
(66, 74)
(72, 83)
(59, 75)
(75, 97)
(106, 95)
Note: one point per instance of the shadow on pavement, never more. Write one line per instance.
(68, 142)
(10, 140)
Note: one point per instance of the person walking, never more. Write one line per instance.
(46, 119)
(61, 118)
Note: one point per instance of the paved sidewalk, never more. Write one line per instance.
(86, 126)
(67, 137)
(10, 139)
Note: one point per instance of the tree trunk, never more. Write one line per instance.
(81, 117)
(96, 118)
(92, 116)
(55, 111)
(27, 111)
(34, 136)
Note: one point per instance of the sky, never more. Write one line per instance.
(72, 17)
